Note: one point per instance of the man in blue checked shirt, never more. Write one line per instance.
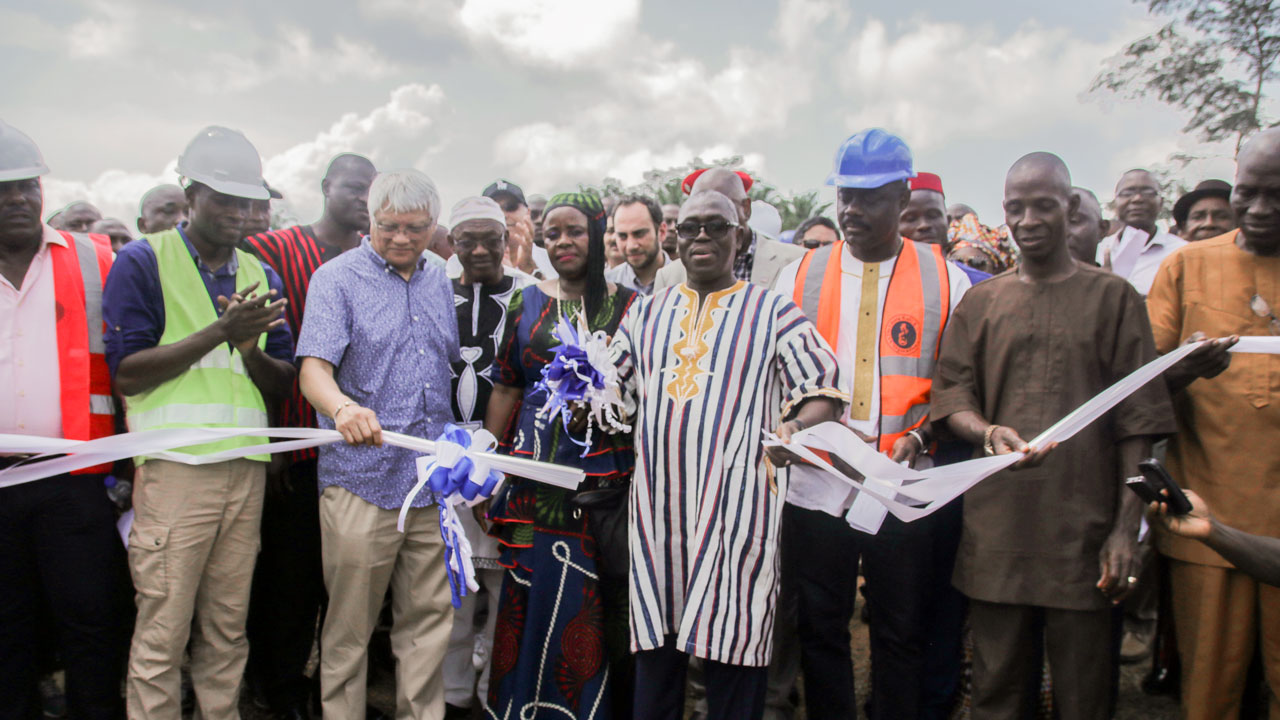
(377, 340)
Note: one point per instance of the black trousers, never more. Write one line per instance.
(734, 692)
(288, 589)
(916, 615)
(61, 558)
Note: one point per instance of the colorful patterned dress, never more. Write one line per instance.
(560, 646)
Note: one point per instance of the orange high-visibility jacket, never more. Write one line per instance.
(915, 313)
(79, 271)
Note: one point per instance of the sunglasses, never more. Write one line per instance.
(715, 229)
(1263, 310)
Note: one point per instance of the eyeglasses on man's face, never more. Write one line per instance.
(715, 229)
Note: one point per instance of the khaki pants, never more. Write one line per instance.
(363, 553)
(1220, 615)
(191, 553)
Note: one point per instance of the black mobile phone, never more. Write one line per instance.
(1155, 478)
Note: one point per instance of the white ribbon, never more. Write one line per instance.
(912, 494)
(457, 547)
(446, 455)
(163, 445)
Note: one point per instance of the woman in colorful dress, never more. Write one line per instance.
(561, 642)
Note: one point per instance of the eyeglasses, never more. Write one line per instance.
(715, 229)
(1147, 192)
(470, 242)
(413, 229)
(1263, 310)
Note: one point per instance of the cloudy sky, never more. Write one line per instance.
(550, 93)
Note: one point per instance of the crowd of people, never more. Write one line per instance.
(694, 567)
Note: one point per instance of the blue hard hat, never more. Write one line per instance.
(871, 159)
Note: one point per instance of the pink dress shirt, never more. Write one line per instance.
(29, 385)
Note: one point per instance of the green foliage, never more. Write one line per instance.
(1216, 62)
(664, 187)
(800, 207)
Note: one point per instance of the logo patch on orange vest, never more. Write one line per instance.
(904, 334)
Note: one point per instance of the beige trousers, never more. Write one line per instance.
(363, 554)
(1220, 616)
(191, 553)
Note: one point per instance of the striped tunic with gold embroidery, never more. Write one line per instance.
(706, 377)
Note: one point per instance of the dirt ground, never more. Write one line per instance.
(1133, 703)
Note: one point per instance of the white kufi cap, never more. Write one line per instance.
(476, 208)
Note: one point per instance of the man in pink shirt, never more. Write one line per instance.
(59, 552)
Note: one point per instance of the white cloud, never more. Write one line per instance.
(291, 54)
(553, 158)
(107, 33)
(799, 21)
(115, 192)
(398, 133)
(556, 33)
(940, 83)
(26, 30)
(661, 108)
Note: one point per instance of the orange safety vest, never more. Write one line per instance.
(916, 309)
(79, 272)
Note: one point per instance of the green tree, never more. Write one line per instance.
(799, 207)
(1216, 60)
(662, 185)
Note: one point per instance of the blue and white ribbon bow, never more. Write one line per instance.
(581, 372)
(457, 473)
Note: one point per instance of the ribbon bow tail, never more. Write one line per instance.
(460, 568)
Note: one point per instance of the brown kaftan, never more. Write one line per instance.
(1023, 355)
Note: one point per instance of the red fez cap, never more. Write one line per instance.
(927, 181)
(687, 185)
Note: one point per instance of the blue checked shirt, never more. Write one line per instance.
(391, 342)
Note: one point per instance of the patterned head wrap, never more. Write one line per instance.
(991, 242)
(586, 203)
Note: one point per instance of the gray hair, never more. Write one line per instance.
(401, 191)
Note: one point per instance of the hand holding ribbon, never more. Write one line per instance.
(457, 473)
(582, 374)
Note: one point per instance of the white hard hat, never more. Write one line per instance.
(20, 159)
(226, 161)
(765, 219)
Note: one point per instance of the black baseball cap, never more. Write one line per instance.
(1208, 188)
(502, 187)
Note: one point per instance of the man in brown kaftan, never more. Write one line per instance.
(1051, 542)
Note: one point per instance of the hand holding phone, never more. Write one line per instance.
(1155, 478)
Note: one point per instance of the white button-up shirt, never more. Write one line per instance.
(1135, 258)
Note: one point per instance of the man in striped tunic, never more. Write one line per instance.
(288, 586)
(708, 365)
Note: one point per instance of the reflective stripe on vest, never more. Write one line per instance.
(816, 269)
(181, 415)
(215, 391)
(916, 309)
(87, 405)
